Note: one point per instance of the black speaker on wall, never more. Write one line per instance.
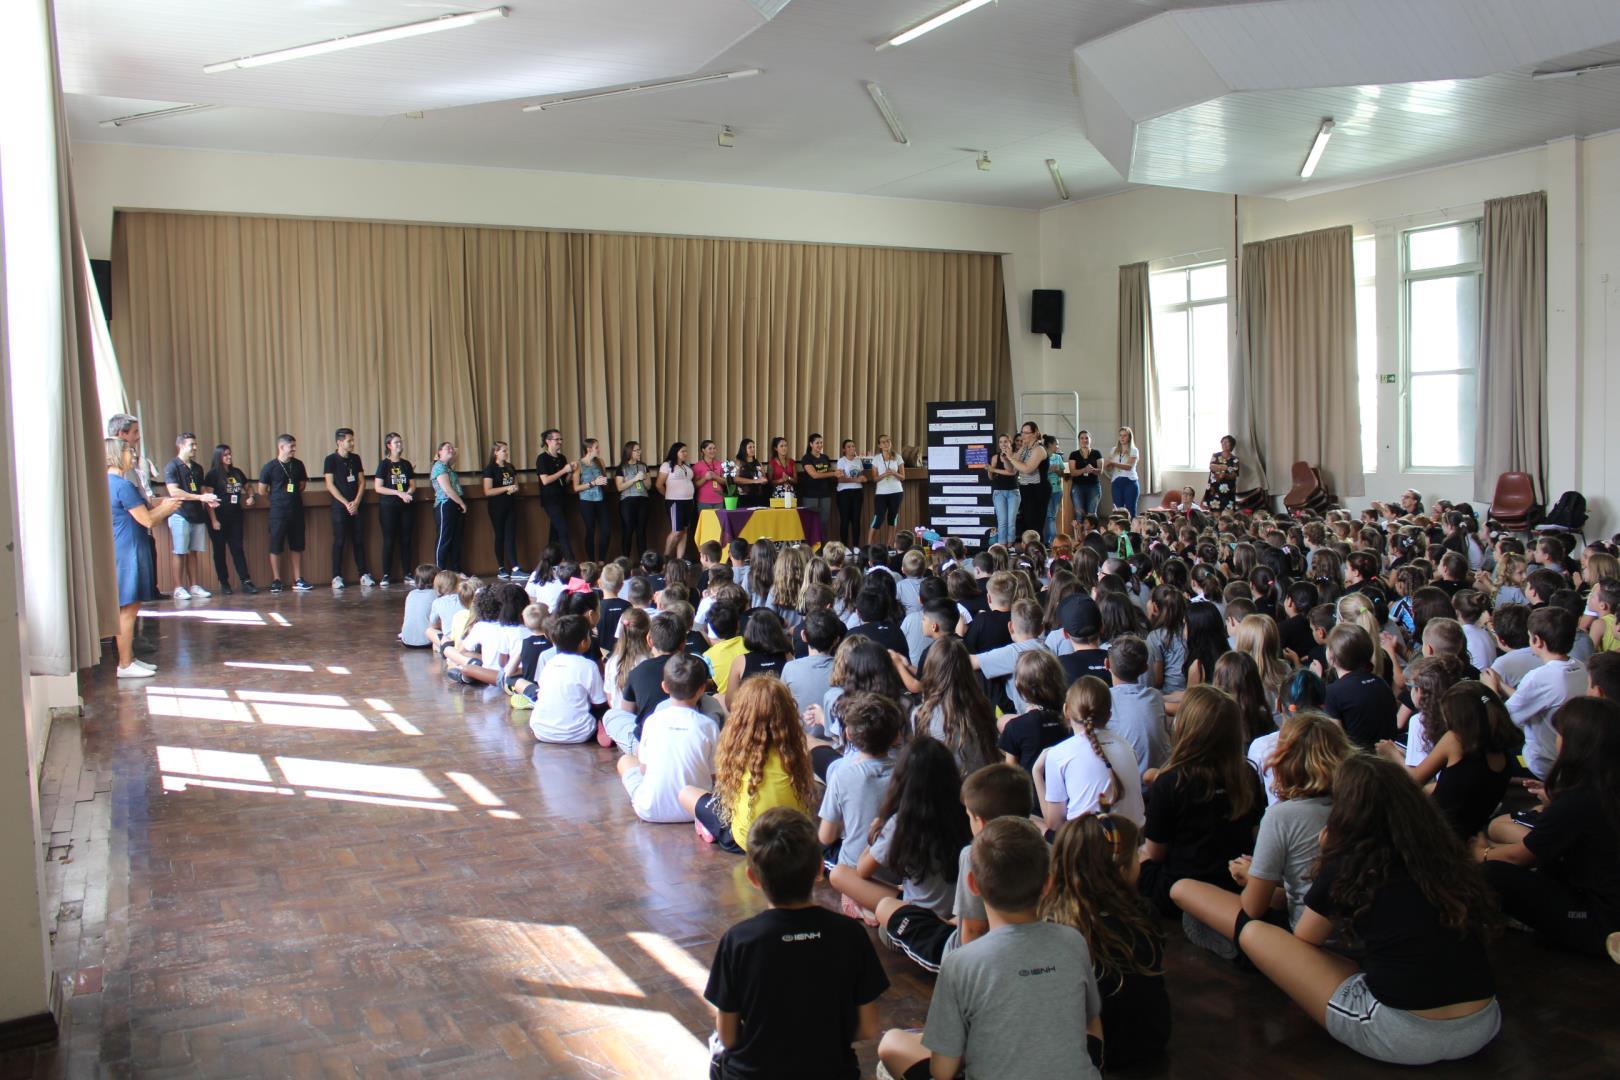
(1046, 314)
(101, 270)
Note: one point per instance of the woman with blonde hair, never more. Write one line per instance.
(763, 761)
(1356, 608)
(1121, 465)
(132, 522)
(1257, 635)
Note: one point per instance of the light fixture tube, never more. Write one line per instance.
(949, 14)
(1570, 73)
(645, 88)
(1057, 179)
(355, 41)
(1317, 146)
(881, 100)
(155, 114)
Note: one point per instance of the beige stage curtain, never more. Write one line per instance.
(1511, 435)
(239, 328)
(1294, 385)
(1138, 384)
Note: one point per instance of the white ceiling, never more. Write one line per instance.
(1002, 79)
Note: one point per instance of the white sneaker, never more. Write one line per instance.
(200, 593)
(337, 584)
(135, 672)
(180, 593)
(143, 664)
(366, 582)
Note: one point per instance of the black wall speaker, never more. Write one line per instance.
(101, 270)
(1046, 314)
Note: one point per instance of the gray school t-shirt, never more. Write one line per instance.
(967, 905)
(1139, 720)
(1287, 846)
(809, 678)
(855, 788)
(1014, 1004)
(933, 893)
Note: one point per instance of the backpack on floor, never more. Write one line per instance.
(1569, 512)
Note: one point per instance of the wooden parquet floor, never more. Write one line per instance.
(299, 852)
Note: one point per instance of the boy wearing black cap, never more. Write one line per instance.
(1081, 622)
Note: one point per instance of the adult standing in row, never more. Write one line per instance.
(1223, 476)
(500, 496)
(1085, 478)
(753, 487)
(393, 485)
(132, 555)
(631, 480)
(1003, 488)
(709, 478)
(1121, 465)
(1031, 464)
(888, 477)
(553, 470)
(851, 493)
(590, 478)
(784, 471)
(345, 476)
(188, 529)
(816, 489)
(449, 508)
(127, 430)
(675, 484)
(226, 518)
(283, 479)
(1054, 484)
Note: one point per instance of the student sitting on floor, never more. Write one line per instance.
(793, 986)
(919, 831)
(1357, 698)
(1093, 771)
(1020, 1003)
(856, 784)
(451, 600)
(644, 689)
(1427, 681)
(568, 693)
(810, 676)
(676, 749)
(1040, 684)
(725, 625)
(1094, 868)
(1394, 878)
(1475, 747)
(413, 630)
(629, 651)
(518, 675)
(1540, 693)
(465, 646)
(494, 639)
(762, 739)
(1138, 710)
(1510, 625)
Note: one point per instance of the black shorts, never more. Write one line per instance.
(1528, 818)
(822, 759)
(921, 935)
(286, 529)
(707, 816)
(682, 514)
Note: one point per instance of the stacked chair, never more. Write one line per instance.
(1308, 492)
(1513, 505)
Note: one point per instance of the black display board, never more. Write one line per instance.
(961, 438)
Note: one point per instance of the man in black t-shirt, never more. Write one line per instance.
(345, 482)
(188, 529)
(555, 473)
(283, 480)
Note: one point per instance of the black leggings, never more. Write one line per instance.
(849, 517)
(229, 534)
(1563, 916)
(1032, 507)
(452, 520)
(557, 514)
(597, 530)
(886, 509)
(346, 526)
(633, 525)
(503, 521)
(396, 537)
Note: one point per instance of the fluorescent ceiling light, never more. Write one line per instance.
(1569, 73)
(955, 12)
(155, 114)
(881, 100)
(1057, 179)
(1318, 145)
(645, 88)
(355, 41)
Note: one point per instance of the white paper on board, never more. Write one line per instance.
(944, 457)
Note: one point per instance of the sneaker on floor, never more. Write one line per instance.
(518, 574)
(134, 671)
(366, 582)
(337, 584)
(180, 593)
(302, 586)
(386, 581)
(502, 575)
(276, 586)
(1207, 939)
(250, 588)
(224, 590)
(138, 662)
(200, 593)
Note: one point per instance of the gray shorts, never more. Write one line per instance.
(1361, 1022)
(187, 537)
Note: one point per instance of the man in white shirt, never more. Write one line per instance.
(677, 746)
(568, 694)
(1541, 692)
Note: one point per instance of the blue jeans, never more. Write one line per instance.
(1085, 498)
(1052, 505)
(1006, 514)
(1125, 494)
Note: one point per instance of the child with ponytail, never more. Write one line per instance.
(1093, 771)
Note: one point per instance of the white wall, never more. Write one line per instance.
(108, 177)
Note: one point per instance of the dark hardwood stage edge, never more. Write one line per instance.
(300, 852)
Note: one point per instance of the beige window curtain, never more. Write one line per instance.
(1511, 435)
(239, 328)
(1294, 385)
(1138, 386)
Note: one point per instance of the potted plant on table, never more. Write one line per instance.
(728, 471)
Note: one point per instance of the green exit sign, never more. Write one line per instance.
(1387, 378)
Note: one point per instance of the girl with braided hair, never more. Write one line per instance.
(1095, 770)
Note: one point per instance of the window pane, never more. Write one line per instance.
(1367, 372)
(1448, 245)
(1168, 288)
(1442, 420)
(1170, 347)
(1173, 422)
(1209, 379)
(1209, 282)
(1444, 318)
(1365, 254)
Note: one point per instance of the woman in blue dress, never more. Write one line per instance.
(132, 522)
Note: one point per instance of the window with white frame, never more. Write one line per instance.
(1366, 267)
(1190, 340)
(1440, 279)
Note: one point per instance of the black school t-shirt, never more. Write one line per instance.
(1365, 705)
(887, 634)
(990, 630)
(1082, 662)
(1295, 634)
(608, 614)
(188, 478)
(796, 977)
(559, 489)
(1410, 959)
(1575, 843)
(1135, 1007)
(346, 471)
(500, 476)
(816, 489)
(396, 475)
(1199, 828)
(279, 476)
(529, 655)
(1026, 736)
(231, 487)
(1080, 461)
(645, 688)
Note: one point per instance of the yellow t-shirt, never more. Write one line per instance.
(1610, 642)
(720, 656)
(774, 790)
(458, 625)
